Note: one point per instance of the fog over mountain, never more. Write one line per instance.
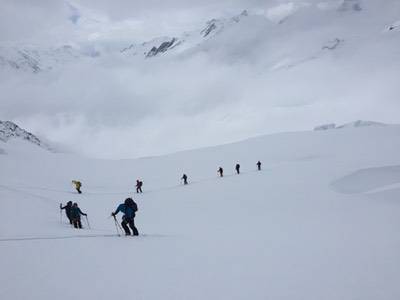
(127, 79)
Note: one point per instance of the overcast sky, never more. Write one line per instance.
(56, 21)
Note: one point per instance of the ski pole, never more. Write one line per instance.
(60, 213)
(116, 225)
(119, 226)
(87, 220)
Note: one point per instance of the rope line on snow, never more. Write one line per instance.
(26, 193)
(156, 190)
(64, 237)
(17, 189)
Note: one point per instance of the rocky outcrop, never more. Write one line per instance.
(355, 124)
(162, 48)
(211, 26)
(10, 130)
(325, 127)
(350, 5)
(36, 59)
(332, 45)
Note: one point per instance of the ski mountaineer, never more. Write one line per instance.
(184, 178)
(139, 185)
(129, 209)
(76, 215)
(221, 172)
(68, 209)
(237, 168)
(259, 165)
(78, 185)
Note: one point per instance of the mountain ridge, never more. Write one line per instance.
(10, 131)
(37, 59)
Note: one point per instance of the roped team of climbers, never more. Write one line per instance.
(128, 208)
(73, 213)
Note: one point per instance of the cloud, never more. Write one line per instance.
(74, 13)
(140, 108)
(21, 19)
(256, 77)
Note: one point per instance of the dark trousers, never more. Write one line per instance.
(77, 223)
(259, 168)
(131, 223)
(79, 190)
(237, 171)
(185, 181)
(67, 213)
(139, 189)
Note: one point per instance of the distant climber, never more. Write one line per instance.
(139, 185)
(237, 168)
(129, 209)
(184, 178)
(76, 215)
(259, 165)
(78, 185)
(68, 209)
(221, 172)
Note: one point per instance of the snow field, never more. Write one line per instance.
(291, 231)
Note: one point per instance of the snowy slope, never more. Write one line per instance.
(187, 40)
(320, 221)
(36, 59)
(321, 26)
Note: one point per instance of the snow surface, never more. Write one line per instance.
(313, 224)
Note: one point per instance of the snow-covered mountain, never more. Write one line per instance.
(187, 40)
(11, 131)
(243, 36)
(152, 48)
(36, 59)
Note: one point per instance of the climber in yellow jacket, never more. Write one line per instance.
(78, 185)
